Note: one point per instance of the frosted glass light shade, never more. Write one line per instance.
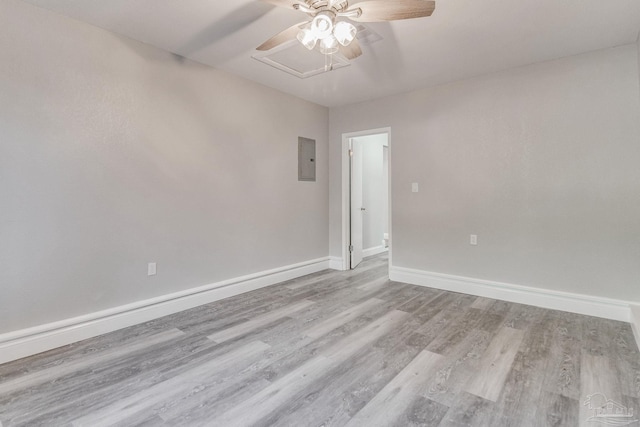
(328, 45)
(321, 26)
(307, 38)
(344, 32)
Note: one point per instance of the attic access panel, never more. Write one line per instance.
(295, 59)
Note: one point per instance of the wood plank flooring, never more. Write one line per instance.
(335, 349)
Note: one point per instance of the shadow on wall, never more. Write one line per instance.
(210, 37)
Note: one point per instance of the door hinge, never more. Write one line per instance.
(351, 248)
(350, 152)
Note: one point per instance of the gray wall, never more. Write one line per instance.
(541, 162)
(114, 154)
(373, 190)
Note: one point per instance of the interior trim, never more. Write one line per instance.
(26, 342)
(574, 303)
(336, 263)
(345, 226)
(374, 251)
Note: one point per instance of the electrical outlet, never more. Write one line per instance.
(473, 239)
(151, 269)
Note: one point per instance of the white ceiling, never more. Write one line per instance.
(463, 38)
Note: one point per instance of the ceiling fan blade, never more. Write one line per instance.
(282, 37)
(352, 51)
(391, 10)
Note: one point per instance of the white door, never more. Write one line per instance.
(357, 210)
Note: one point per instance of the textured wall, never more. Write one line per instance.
(541, 162)
(114, 154)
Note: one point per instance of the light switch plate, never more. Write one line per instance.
(151, 269)
(414, 187)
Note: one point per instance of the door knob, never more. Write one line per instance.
(362, 209)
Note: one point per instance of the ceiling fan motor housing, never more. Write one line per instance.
(335, 5)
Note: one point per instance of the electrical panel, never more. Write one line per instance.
(306, 159)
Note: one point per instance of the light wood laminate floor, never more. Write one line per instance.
(334, 349)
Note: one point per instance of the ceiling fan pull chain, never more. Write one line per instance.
(328, 62)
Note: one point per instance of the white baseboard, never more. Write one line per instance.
(336, 263)
(556, 300)
(635, 322)
(374, 251)
(27, 342)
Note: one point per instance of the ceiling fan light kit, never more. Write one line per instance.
(307, 38)
(323, 28)
(329, 28)
(322, 25)
(329, 45)
(345, 32)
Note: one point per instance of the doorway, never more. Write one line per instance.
(366, 190)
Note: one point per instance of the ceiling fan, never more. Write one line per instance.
(329, 28)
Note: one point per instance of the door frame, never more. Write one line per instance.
(344, 154)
